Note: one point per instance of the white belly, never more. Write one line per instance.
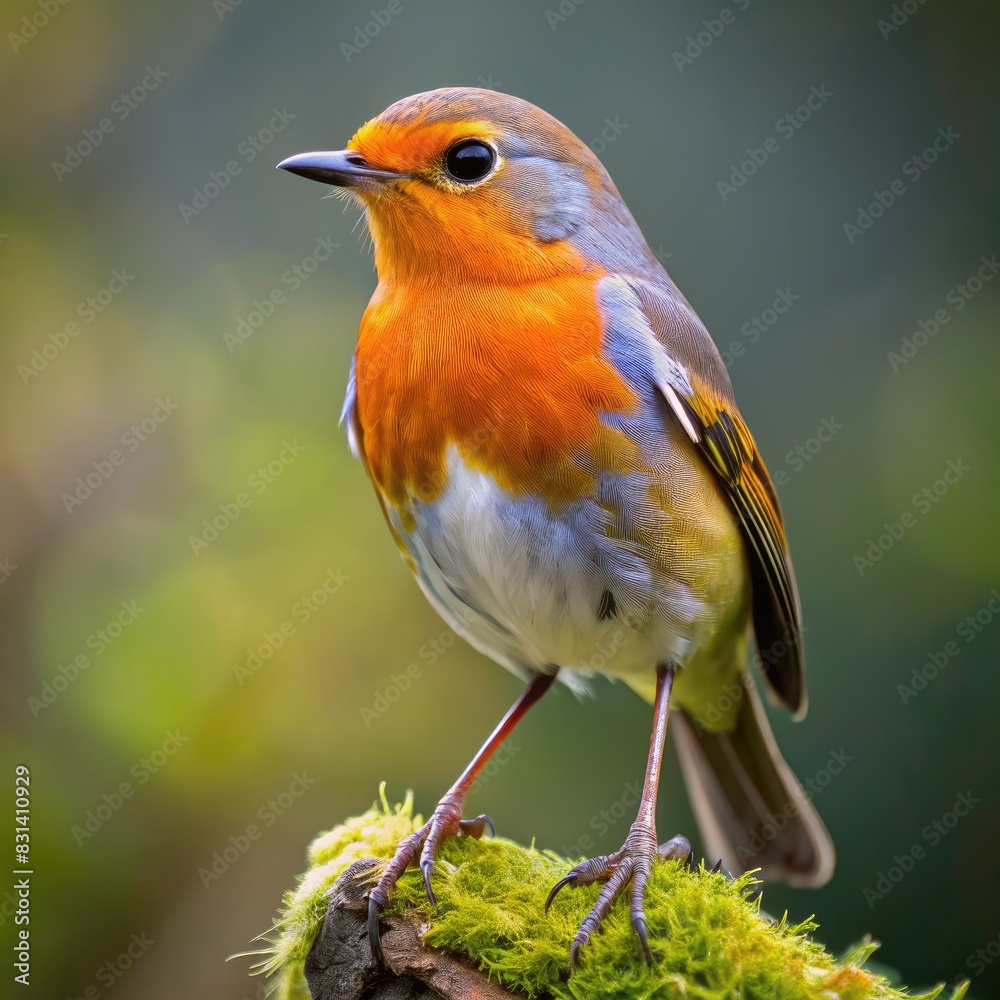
(529, 588)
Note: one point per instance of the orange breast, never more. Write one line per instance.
(512, 376)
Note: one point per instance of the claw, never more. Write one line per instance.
(374, 932)
(639, 923)
(419, 848)
(586, 873)
(630, 864)
(569, 879)
(677, 849)
(427, 867)
(616, 870)
(476, 827)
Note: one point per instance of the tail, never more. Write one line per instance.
(751, 809)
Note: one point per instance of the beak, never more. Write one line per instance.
(344, 168)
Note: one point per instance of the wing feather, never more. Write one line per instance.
(705, 409)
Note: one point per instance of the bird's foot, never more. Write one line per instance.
(632, 863)
(421, 847)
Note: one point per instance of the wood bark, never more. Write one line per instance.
(340, 965)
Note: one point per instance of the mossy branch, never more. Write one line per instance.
(708, 936)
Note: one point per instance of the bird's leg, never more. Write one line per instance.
(446, 820)
(632, 863)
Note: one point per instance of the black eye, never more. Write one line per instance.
(469, 160)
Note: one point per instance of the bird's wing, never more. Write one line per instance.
(703, 404)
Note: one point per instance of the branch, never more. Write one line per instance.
(340, 964)
(489, 938)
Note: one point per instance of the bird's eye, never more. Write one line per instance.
(469, 160)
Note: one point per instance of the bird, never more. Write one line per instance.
(553, 439)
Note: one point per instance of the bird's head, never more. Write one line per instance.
(477, 185)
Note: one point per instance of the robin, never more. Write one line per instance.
(553, 439)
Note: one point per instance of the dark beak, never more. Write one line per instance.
(344, 168)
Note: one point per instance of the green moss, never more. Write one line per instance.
(709, 940)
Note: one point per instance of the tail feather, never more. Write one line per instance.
(751, 809)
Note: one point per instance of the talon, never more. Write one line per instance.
(639, 923)
(630, 864)
(475, 827)
(677, 849)
(719, 870)
(420, 848)
(374, 932)
(427, 867)
(569, 879)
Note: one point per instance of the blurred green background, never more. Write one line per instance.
(125, 643)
